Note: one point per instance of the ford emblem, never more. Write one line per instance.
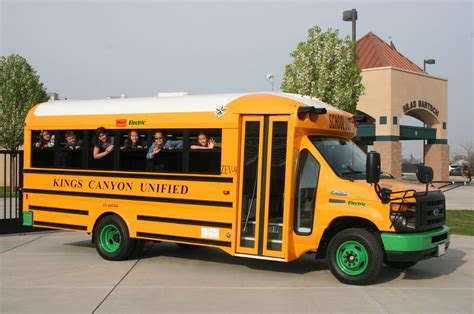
(436, 212)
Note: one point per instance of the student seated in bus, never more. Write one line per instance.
(204, 141)
(72, 143)
(46, 140)
(133, 141)
(162, 143)
(104, 144)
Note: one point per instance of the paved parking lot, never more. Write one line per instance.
(61, 272)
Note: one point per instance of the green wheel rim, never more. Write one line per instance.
(110, 238)
(352, 258)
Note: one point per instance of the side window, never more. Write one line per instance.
(166, 151)
(104, 147)
(306, 185)
(42, 151)
(71, 149)
(133, 149)
(205, 150)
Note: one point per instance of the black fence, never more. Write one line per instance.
(11, 215)
(11, 183)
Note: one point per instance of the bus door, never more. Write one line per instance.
(262, 215)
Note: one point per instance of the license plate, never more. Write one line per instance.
(441, 249)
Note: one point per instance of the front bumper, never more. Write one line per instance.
(415, 246)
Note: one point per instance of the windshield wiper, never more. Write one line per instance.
(352, 171)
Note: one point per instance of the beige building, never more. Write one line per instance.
(394, 87)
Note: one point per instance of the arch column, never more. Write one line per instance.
(391, 156)
(437, 157)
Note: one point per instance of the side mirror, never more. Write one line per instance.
(424, 174)
(372, 167)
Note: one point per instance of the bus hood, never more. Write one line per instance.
(401, 185)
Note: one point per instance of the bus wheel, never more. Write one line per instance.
(112, 239)
(400, 265)
(355, 256)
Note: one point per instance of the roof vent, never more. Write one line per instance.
(53, 96)
(122, 96)
(175, 94)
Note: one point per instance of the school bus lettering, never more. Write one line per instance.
(164, 188)
(253, 183)
(66, 183)
(120, 123)
(110, 205)
(226, 169)
(338, 122)
(356, 203)
(110, 185)
(136, 122)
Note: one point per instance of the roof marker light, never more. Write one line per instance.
(310, 111)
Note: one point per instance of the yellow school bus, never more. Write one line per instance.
(260, 175)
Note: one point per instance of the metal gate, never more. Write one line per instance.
(11, 182)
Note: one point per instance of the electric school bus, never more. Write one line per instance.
(283, 179)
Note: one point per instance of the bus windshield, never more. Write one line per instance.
(344, 157)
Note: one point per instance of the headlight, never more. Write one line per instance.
(403, 219)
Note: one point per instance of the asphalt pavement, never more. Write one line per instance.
(61, 272)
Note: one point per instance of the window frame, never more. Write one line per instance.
(87, 136)
(313, 206)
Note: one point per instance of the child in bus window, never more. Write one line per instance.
(72, 142)
(204, 142)
(104, 145)
(162, 143)
(46, 140)
(133, 141)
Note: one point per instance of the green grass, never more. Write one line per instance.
(5, 191)
(461, 221)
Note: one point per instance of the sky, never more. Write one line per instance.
(95, 49)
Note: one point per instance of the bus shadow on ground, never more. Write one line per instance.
(427, 269)
(303, 265)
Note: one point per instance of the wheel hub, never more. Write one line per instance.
(352, 258)
(110, 238)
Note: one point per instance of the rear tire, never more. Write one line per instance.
(355, 256)
(112, 239)
(400, 265)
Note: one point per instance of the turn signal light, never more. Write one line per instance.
(310, 112)
(302, 116)
(313, 116)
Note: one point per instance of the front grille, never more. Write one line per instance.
(440, 237)
(431, 210)
(435, 203)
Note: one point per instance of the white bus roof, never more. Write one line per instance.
(185, 103)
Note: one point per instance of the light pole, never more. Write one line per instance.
(427, 61)
(271, 78)
(351, 16)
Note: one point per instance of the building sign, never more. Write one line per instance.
(420, 104)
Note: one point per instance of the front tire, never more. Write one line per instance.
(112, 239)
(355, 256)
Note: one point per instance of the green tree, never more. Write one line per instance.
(20, 90)
(324, 66)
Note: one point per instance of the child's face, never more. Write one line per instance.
(46, 136)
(71, 139)
(134, 137)
(103, 137)
(202, 139)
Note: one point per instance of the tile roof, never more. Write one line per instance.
(373, 52)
